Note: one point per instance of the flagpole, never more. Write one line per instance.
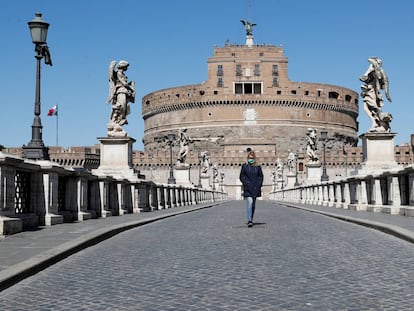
(57, 129)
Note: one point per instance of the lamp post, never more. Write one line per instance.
(200, 159)
(296, 170)
(345, 152)
(222, 181)
(324, 137)
(171, 138)
(36, 149)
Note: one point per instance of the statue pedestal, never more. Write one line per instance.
(313, 172)
(205, 181)
(182, 174)
(378, 151)
(291, 180)
(249, 40)
(116, 157)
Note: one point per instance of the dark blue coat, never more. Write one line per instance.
(251, 177)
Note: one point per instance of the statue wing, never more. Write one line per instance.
(385, 85)
(243, 22)
(112, 81)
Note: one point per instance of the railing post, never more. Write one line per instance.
(8, 224)
(160, 196)
(394, 195)
(167, 196)
(338, 195)
(120, 204)
(346, 196)
(411, 189)
(320, 194)
(362, 195)
(135, 198)
(375, 203)
(331, 194)
(82, 198)
(325, 200)
(104, 199)
(49, 214)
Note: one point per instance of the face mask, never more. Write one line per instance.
(251, 161)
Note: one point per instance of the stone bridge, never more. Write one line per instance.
(43, 193)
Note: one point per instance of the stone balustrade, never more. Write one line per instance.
(390, 191)
(43, 193)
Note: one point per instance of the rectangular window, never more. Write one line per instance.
(238, 70)
(275, 81)
(257, 88)
(220, 82)
(219, 70)
(238, 88)
(257, 70)
(247, 88)
(275, 70)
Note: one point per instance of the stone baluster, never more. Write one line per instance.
(394, 196)
(338, 195)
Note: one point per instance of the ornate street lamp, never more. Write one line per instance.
(324, 138)
(36, 149)
(171, 138)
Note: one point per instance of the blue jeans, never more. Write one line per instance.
(251, 205)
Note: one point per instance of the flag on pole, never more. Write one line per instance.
(53, 111)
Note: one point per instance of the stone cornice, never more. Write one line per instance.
(256, 102)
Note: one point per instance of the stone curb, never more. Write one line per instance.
(29, 267)
(396, 231)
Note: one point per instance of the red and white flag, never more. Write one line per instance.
(53, 111)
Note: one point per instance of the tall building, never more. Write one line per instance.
(247, 101)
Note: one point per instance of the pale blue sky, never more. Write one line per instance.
(167, 44)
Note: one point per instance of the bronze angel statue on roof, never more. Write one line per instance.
(248, 26)
(121, 93)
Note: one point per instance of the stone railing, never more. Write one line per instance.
(390, 191)
(43, 193)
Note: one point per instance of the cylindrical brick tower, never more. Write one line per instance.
(247, 101)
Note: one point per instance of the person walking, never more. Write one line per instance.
(251, 176)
